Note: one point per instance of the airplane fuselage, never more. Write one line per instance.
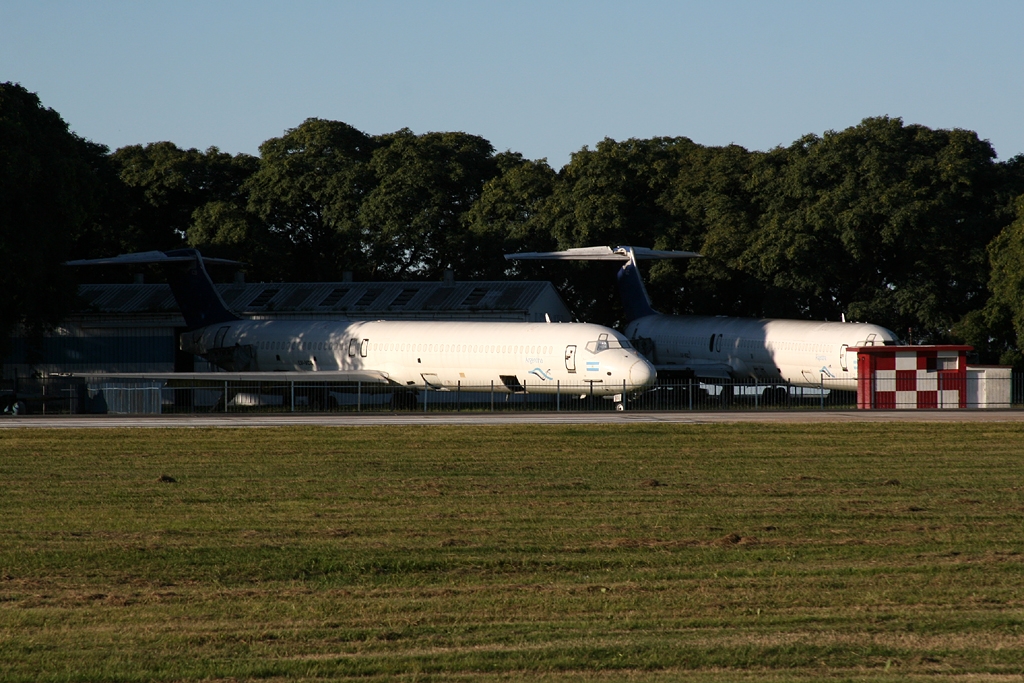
(797, 352)
(532, 357)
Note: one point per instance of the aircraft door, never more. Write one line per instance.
(364, 347)
(842, 356)
(353, 347)
(570, 358)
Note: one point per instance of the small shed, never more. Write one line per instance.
(989, 386)
(910, 377)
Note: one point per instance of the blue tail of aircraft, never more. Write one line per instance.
(191, 285)
(198, 299)
(635, 299)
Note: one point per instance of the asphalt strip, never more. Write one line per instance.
(385, 419)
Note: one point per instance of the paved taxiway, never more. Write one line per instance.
(367, 419)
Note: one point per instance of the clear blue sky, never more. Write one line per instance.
(541, 78)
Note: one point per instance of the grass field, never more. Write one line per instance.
(706, 552)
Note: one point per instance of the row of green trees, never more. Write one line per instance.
(917, 229)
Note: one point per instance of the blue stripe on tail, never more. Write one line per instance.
(633, 293)
(198, 299)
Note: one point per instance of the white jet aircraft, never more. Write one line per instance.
(543, 358)
(715, 348)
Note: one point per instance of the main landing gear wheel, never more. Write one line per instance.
(620, 406)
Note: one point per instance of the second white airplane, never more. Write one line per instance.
(715, 348)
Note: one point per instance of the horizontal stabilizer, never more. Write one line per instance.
(601, 254)
(337, 376)
(631, 288)
(145, 257)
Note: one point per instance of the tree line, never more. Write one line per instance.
(916, 229)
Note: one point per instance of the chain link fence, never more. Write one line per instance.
(80, 394)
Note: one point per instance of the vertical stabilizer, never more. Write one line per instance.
(635, 300)
(198, 299)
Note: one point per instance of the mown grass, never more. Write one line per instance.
(710, 552)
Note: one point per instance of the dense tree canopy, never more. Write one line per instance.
(880, 222)
(304, 200)
(50, 192)
(416, 216)
(998, 327)
(166, 185)
(917, 229)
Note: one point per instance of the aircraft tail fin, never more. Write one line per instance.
(634, 295)
(193, 290)
(635, 299)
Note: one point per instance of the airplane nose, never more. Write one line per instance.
(642, 374)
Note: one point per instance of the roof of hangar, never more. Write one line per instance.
(346, 299)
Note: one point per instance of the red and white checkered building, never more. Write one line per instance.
(909, 377)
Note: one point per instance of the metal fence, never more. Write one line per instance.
(314, 397)
(79, 394)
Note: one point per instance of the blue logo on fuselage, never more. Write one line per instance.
(540, 373)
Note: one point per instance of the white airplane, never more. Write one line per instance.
(543, 358)
(715, 348)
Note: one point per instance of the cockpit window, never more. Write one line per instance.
(605, 342)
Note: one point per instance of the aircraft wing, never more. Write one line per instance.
(600, 254)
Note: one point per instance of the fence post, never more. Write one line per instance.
(225, 396)
(822, 389)
(689, 390)
(558, 395)
(492, 395)
(293, 395)
(359, 396)
(458, 397)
